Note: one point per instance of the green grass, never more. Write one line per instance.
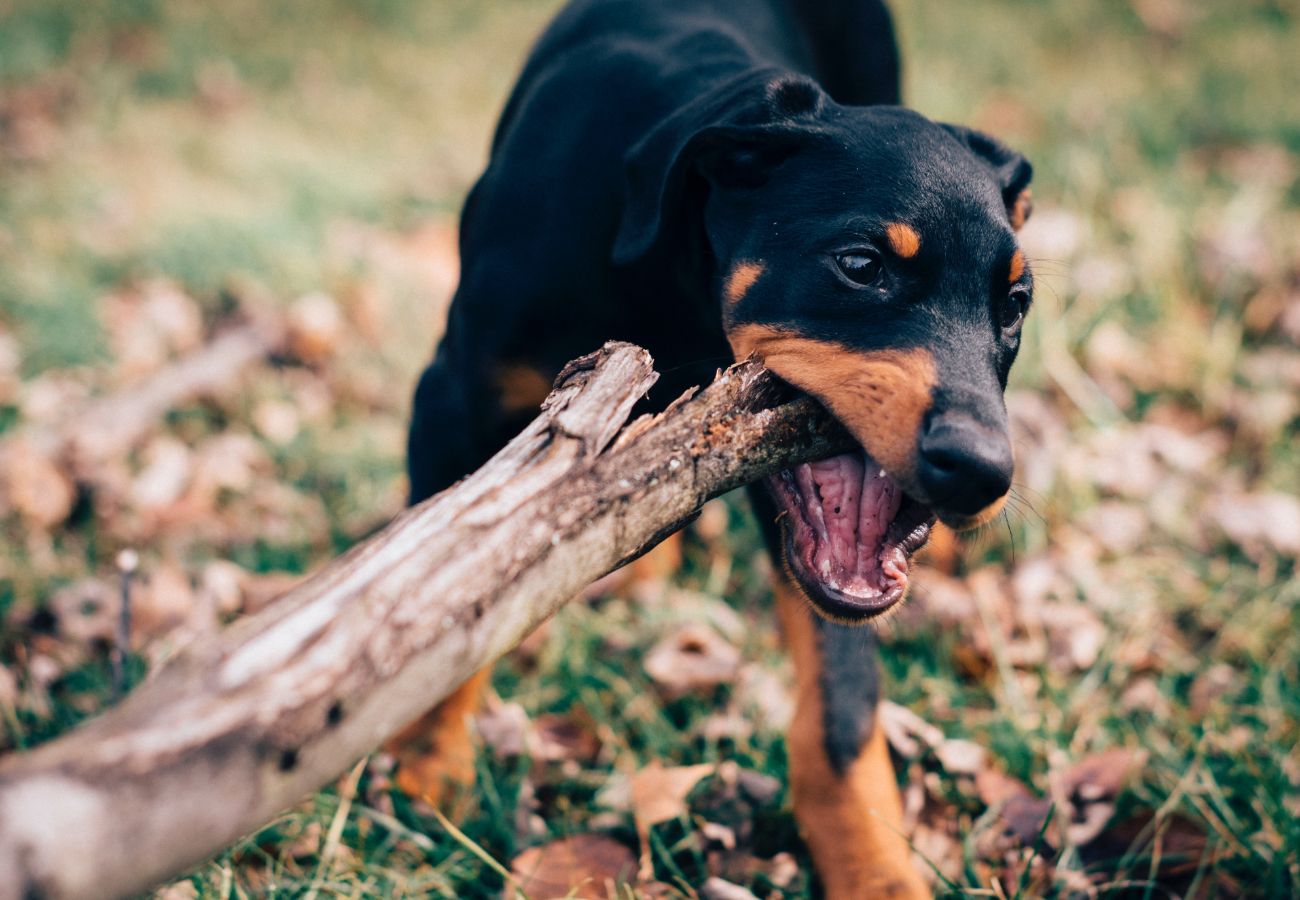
(248, 150)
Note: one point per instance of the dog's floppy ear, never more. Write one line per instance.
(1010, 170)
(732, 136)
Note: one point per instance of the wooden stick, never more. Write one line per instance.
(242, 725)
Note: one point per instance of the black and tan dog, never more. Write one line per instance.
(719, 178)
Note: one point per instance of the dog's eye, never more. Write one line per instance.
(860, 268)
(1014, 307)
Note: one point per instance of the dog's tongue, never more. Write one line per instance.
(850, 503)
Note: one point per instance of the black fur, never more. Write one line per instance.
(649, 146)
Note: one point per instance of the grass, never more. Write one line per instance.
(270, 150)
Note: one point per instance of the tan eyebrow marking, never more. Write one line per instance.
(1021, 209)
(740, 280)
(903, 239)
(1017, 266)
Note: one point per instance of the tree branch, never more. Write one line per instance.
(243, 725)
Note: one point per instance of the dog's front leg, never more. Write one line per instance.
(845, 797)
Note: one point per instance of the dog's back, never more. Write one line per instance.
(538, 285)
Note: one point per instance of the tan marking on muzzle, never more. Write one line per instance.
(903, 239)
(881, 396)
(740, 280)
(1017, 266)
(983, 517)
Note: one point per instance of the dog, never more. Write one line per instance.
(715, 179)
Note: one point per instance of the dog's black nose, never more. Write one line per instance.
(964, 466)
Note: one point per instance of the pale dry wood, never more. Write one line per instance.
(109, 426)
(243, 725)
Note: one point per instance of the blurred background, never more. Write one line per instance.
(227, 247)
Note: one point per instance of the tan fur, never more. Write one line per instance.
(943, 549)
(1017, 266)
(740, 280)
(852, 822)
(1021, 209)
(521, 387)
(903, 239)
(881, 396)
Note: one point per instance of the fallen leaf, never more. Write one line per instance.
(1021, 814)
(692, 658)
(277, 421)
(1259, 523)
(659, 795)
(160, 602)
(585, 866)
(315, 327)
(86, 612)
(1210, 685)
(1087, 790)
(717, 889)
(504, 729)
(35, 487)
(168, 467)
(961, 757)
(764, 697)
(906, 731)
(559, 738)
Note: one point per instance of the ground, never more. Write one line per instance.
(1101, 702)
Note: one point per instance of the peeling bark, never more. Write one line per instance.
(243, 725)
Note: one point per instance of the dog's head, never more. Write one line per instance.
(867, 256)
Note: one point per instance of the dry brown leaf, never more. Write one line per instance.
(35, 487)
(1210, 685)
(86, 612)
(168, 468)
(180, 890)
(961, 757)
(764, 697)
(560, 738)
(149, 324)
(161, 601)
(585, 866)
(906, 731)
(1021, 814)
(1087, 789)
(315, 327)
(715, 888)
(1259, 523)
(659, 795)
(277, 421)
(693, 658)
(221, 585)
(504, 729)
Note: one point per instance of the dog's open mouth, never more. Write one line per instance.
(850, 533)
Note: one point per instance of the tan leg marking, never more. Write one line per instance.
(881, 396)
(521, 387)
(1017, 266)
(852, 823)
(740, 280)
(903, 239)
(435, 753)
